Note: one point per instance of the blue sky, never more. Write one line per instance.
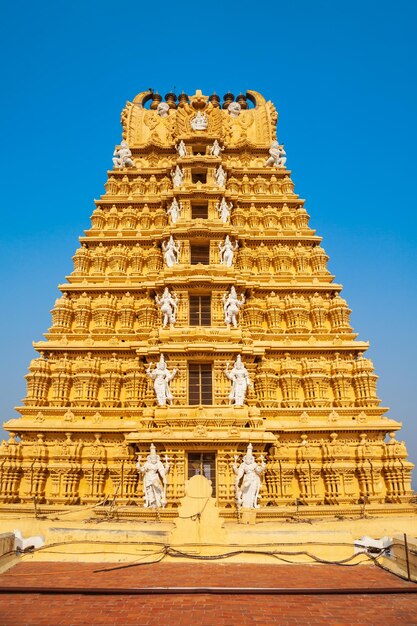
(343, 77)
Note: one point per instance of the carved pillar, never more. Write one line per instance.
(62, 315)
(267, 383)
(369, 469)
(129, 219)
(339, 313)
(135, 383)
(82, 313)
(364, 382)
(38, 381)
(95, 469)
(279, 474)
(10, 469)
(397, 471)
(274, 312)
(341, 381)
(98, 219)
(315, 382)
(290, 382)
(61, 381)
(86, 381)
(308, 471)
(118, 260)
(296, 314)
(104, 314)
(81, 261)
(318, 260)
(318, 313)
(111, 377)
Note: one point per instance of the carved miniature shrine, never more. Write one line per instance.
(201, 323)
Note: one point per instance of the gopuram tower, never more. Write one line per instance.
(201, 317)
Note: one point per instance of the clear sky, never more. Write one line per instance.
(343, 77)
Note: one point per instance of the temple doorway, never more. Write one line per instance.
(203, 464)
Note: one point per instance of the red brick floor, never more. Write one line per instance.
(203, 610)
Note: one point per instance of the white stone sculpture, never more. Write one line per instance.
(223, 210)
(215, 149)
(227, 251)
(248, 480)
(220, 175)
(199, 121)
(240, 381)
(181, 149)
(177, 176)
(122, 157)
(171, 251)
(174, 211)
(161, 377)
(163, 109)
(234, 109)
(168, 305)
(231, 306)
(154, 479)
(278, 155)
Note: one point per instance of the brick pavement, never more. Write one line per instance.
(203, 610)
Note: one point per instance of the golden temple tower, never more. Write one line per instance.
(200, 258)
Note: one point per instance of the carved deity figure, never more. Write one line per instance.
(161, 377)
(175, 211)
(220, 176)
(171, 251)
(223, 210)
(163, 109)
(231, 306)
(122, 157)
(234, 109)
(248, 480)
(215, 149)
(239, 377)
(177, 176)
(181, 149)
(154, 479)
(168, 305)
(199, 121)
(227, 250)
(277, 156)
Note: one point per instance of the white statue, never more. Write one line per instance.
(215, 149)
(181, 149)
(177, 176)
(175, 211)
(122, 157)
(171, 251)
(161, 377)
(231, 306)
(163, 109)
(248, 481)
(223, 210)
(220, 175)
(278, 155)
(154, 479)
(227, 250)
(234, 109)
(240, 381)
(199, 121)
(168, 305)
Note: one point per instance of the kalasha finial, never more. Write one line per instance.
(228, 99)
(214, 99)
(156, 99)
(182, 99)
(241, 99)
(171, 99)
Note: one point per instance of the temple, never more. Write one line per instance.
(201, 328)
